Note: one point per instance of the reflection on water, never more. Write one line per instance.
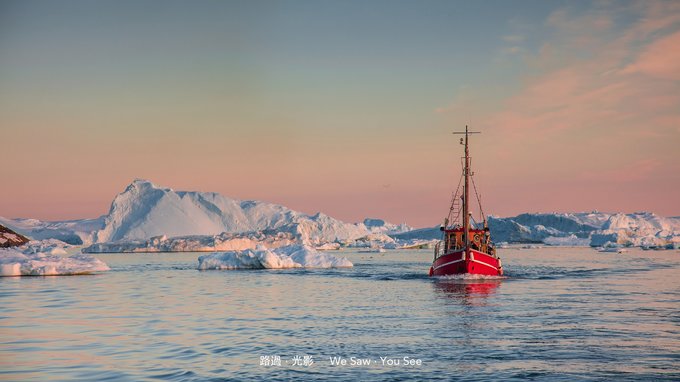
(561, 314)
(467, 292)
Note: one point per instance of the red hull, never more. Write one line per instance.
(467, 261)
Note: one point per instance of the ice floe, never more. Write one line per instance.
(46, 258)
(292, 256)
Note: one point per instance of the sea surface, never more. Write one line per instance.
(560, 314)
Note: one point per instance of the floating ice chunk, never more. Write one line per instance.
(247, 259)
(310, 258)
(328, 247)
(292, 256)
(15, 263)
(276, 260)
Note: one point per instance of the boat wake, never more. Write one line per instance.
(468, 277)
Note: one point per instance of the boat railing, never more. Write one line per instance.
(438, 249)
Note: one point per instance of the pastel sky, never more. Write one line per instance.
(345, 107)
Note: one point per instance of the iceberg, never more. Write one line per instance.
(145, 210)
(641, 229)
(381, 226)
(148, 218)
(418, 244)
(328, 247)
(568, 241)
(292, 256)
(46, 259)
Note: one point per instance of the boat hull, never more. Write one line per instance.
(466, 261)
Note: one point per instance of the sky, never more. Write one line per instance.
(344, 107)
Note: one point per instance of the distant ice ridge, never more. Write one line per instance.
(640, 229)
(46, 258)
(381, 226)
(570, 241)
(596, 229)
(75, 232)
(292, 256)
(149, 218)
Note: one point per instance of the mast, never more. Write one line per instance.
(466, 193)
(466, 187)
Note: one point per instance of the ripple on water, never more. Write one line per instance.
(559, 314)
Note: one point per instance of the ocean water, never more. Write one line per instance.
(560, 314)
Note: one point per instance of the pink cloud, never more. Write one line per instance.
(601, 90)
(602, 107)
(660, 59)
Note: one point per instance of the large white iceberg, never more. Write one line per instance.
(145, 210)
(292, 256)
(46, 259)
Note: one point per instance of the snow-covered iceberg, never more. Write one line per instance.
(39, 258)
(148, 218)
(381, 226)
(567, 241)
(640, 229)
(328, 247)
(145, 210)
(292, 256)
(596, 229)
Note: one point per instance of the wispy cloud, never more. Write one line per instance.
(601, 102)
(602, 74)
(661, 59)
(596, 74)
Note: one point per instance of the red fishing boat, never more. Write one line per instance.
(466, 246)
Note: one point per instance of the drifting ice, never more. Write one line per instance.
(292, 256)
(43, 259)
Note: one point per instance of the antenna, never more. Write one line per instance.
(466, 132)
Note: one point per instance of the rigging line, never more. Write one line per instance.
(453, 201)
(455, 197)
(481, 211)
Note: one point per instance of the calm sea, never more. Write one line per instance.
(561, 314)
